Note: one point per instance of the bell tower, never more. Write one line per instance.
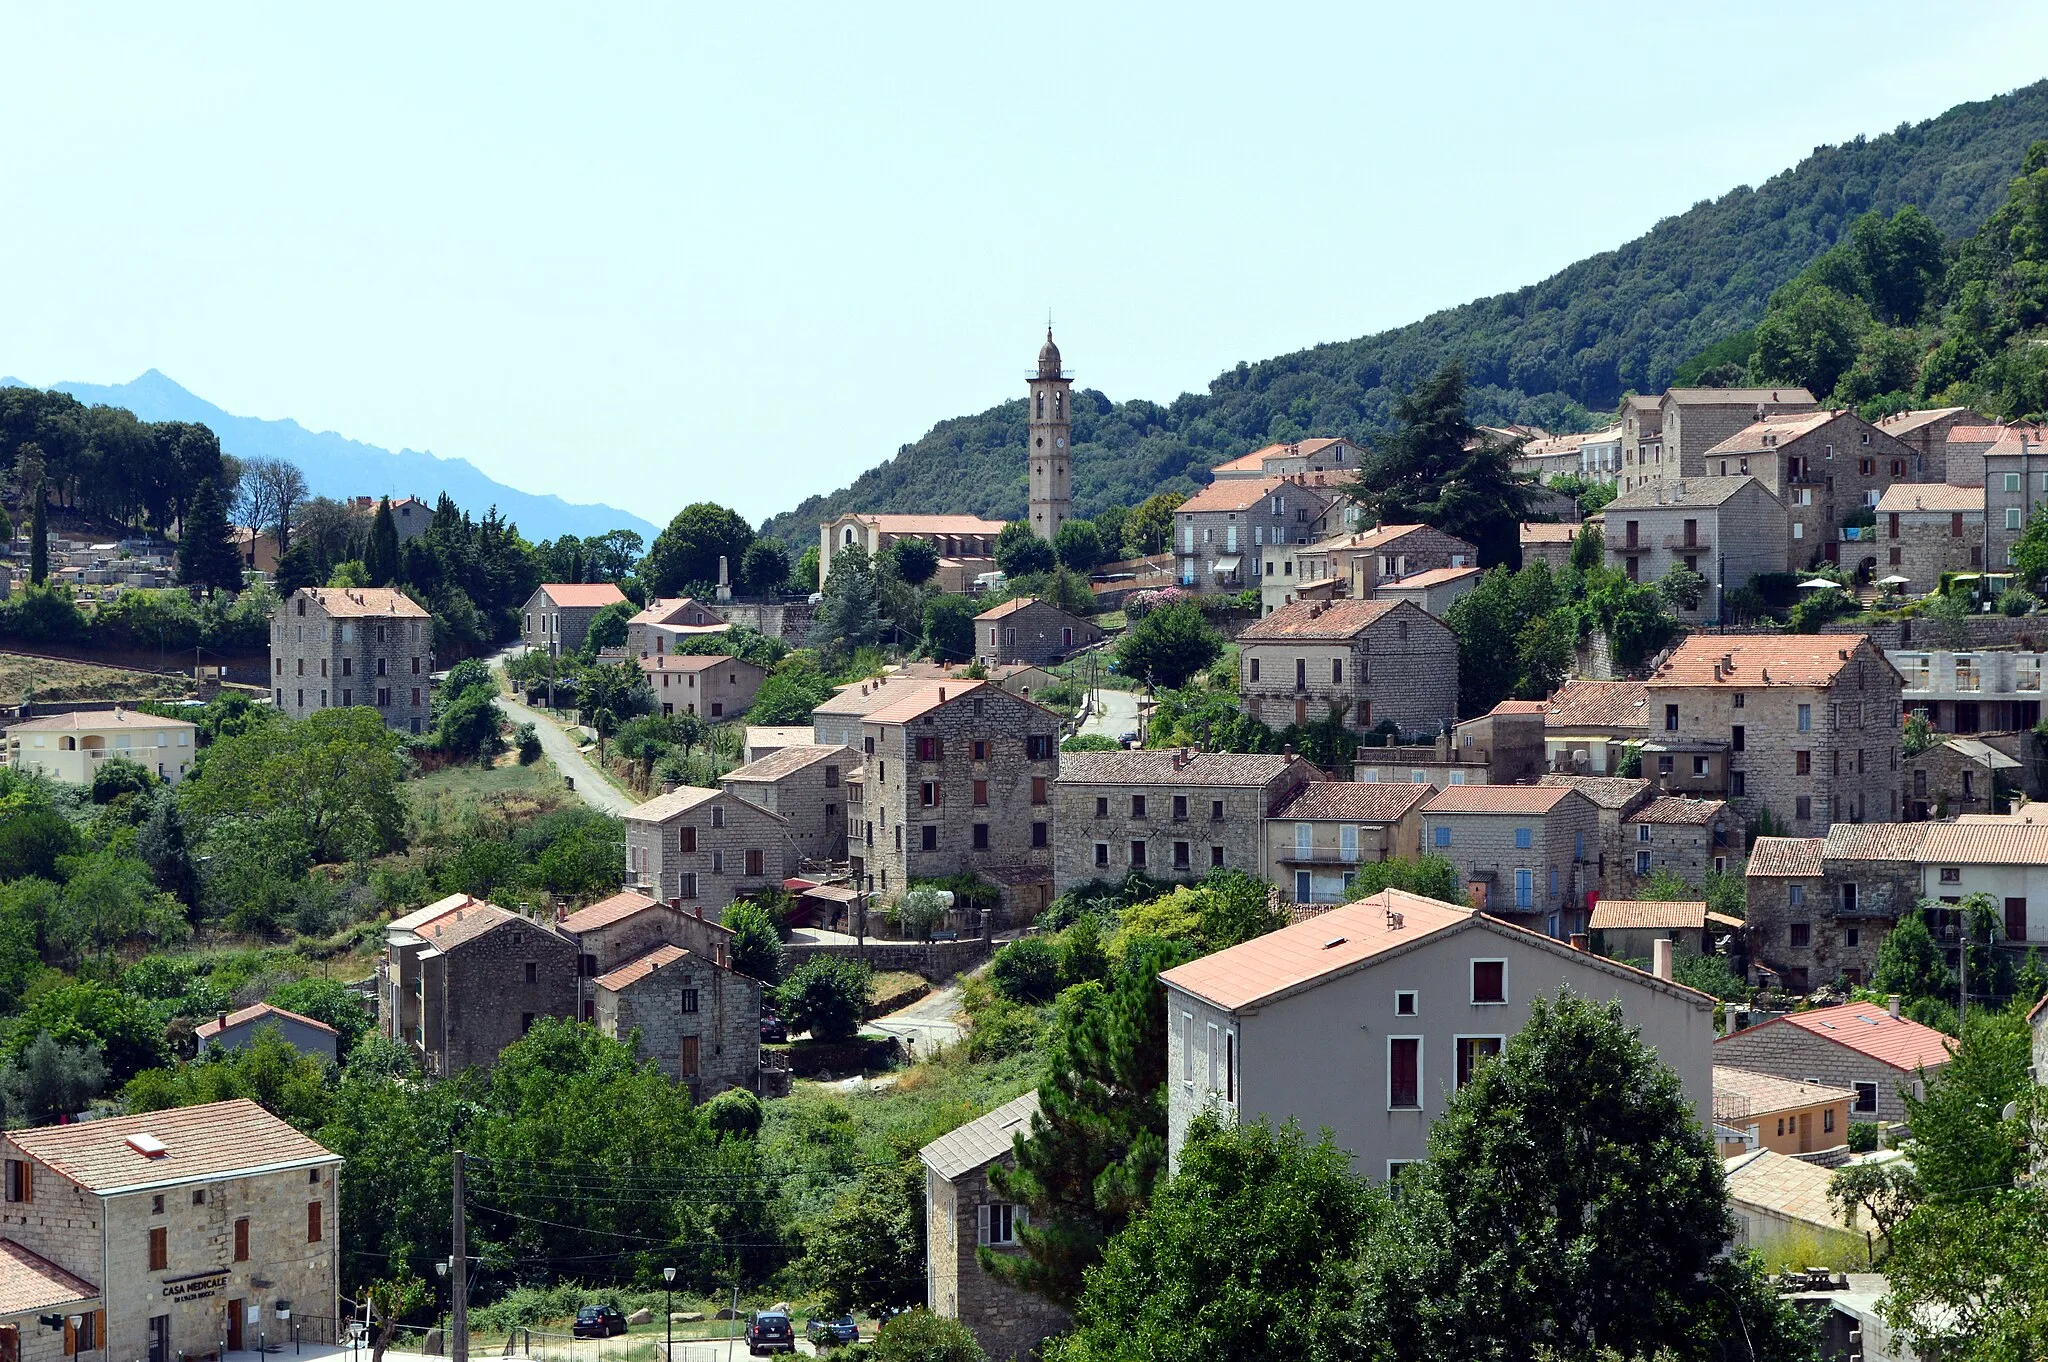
(1048, 444)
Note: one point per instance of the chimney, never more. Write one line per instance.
(221, 1019)
(1891, 1004)
(1579, 942)
(1660, 958)
(942, 695)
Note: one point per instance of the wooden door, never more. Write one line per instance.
(234, 1326)
(687, 1061)
(2016, 919)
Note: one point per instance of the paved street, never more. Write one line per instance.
(597, 792)
(926, 1024)
(1117, 716)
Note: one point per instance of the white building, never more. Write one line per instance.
(73, 747)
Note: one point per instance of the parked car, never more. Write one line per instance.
(599, 1321)
(1128, 738)
(769, 1331)
(830, 1333)
(773, 1029)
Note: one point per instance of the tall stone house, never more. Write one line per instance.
(1827, 467)
(807, 786)
(838, 721)
(1525, 853)
(1406, 997)
(1967, 446)
(1691, 421)
(1295, 458)
(1030, 630)
(1169, 814)
(1327, 829)
(958, 779)
(2015, 487)
(1925, 431)
(336, 647)
(1616, 797)
(1726, 529)
(965, 1216)
(1642, 446)
(1689, 838)
(1232, 534)
(461, 979)
(627, 925)
(709, 685)
(1819, 908)
(1870, 1050)
(1957, 777)
(556, 617)
(1927, 529)
(1363, 560)
(1806, 725)
(699, 1022)
(1360, 662)
(694, 845)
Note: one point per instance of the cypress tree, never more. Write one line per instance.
(39, 538)
(380, 555)
(206, 554)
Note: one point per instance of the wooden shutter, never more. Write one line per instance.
(70, 1336)
(312, 1222)
(688, 1057)
(10, 1343)
(99, 1329)
(159, 1249)
(242, 1240)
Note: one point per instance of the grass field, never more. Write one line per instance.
(23, 677)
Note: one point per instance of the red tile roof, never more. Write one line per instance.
(583, 595)
(1011, 607)
(1599, 704)
(1984, 843)
(689, 662)
(29, 1281)
(1353, 801)
(605, 912)
(464, 925)
(1431, 577)
(1345, 936)
(1498, 799)
(1517, 706)
(633, 971)
(356, 601)
(1773, 431)
(1256, 460)
(1789, 857)
(1320, 619)
(784, 761)
(1765, 1093)
(1548, 532)
(1871, 1031)
(206, 1030)
(1164, 766)
(1875, 841)
(923, 701)
(216, 1140)
(1759, 660)
(1679, 809)
(1240, 494)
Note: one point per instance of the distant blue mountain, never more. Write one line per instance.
(336, 466)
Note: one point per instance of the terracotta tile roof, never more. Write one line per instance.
(583, 595)
(1353, 801)
(82, 719)
(29, 1281)
(1156, 766)
(1874, 841)
(865, 697)
(1676, 493)
(1256, 460)
(786, 761)
(1381, 537)
(1623, 914)
(1759, 660)
(450, 931)
(1938, 497)
(983, 1140)
(1903, 422)
(1609, 792)
(1787, 857)
(633, 971)
(1871, 1031)
(1784, 1186)
(665, 611)
(420, 917)
(779, 735)
(1679, 809)
(2016, 440)
(684, 798)
(1011, 607)
(1599, 704)
(1519, 707)
(1983, 843)
(1761, 437)
(1432, 577)
(1764, 1093)
(216, 1140)
(605, 912)
(1320, 619)
(1546, 532)
(1730, 397)
(1498, 799)
(1344, 937)
(1240, 494)
(343, 602)
(258, 1012)
(931, 524)
(924, 701)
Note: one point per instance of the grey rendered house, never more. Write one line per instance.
(236, 1030)
(1405, 996)
(1726, 529)
(1327, 829)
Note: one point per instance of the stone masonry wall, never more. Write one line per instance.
(1008, 1323)
(720, 859)
(1483, 845)
(1402, 667)
(1802, 1056)
(1923, 546)
(312, 653)
(491, 994)
(1236, 831)
(935, 961)
(814, 800)
(726, 1023)
(1037, 633)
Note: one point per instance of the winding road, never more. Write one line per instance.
(1117, 716)
(597, 792)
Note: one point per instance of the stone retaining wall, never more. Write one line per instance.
(936, 961)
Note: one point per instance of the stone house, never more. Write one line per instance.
(1967, 445)
(73, 747)
(1295, 458)
(1992, 691)
(1328, 828)
(1925, 431)
(1616, 797)
(964, 1215)
(709, 685)
(1688, 837)
(837, 722)
(1022, 679)
(1869, 1050)
(1826, 467)
(1726, 529)
(1629, 929)
(1668, 437)
(966, 543)
(1642, 444)
(1406, 997)
(1365, 558)
(1360, 662)
(807, 786)
(1962, 775)
(2015, 486)
(1588, 725)
(1435, 590)
(361, 645)
(699, 1021)
(236, 1030)
(1781, 1114)
(762, 739)
(556, 617)
(1548, 542)
(1806, 725)
(1030, 630)
(665, 623)
(622, 928)
(958, 779)
(461, 979)
(694, 845)
(1171, 814)
(1526, 853)
(1507, 740)
(181, 1232)
(1233, 534)
(1820, 907)
(1927, 529)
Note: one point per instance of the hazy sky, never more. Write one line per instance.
(744, 252)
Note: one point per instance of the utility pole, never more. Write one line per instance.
(458, 1277)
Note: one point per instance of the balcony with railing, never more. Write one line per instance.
(1296, 854)
(1692, 543)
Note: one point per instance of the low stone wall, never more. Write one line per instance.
(936, 961)
(2027, 632)
(789, 621)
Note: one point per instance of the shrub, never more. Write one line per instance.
(528, 742)
(756, 945)
(734, 1112)
(920, 910)
(1863, 1136)
(1091, 742)
(921, 1336)
(826, 997)
(1027, 971)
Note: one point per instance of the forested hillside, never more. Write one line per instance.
(1552, 353)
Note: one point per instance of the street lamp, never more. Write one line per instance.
(668, 1277)
(441, 1271)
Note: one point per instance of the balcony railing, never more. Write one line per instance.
(1696, 543)
(1299, 855)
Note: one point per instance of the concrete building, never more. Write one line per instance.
(966, 543)
(1170, 814)
(461, 979)
(1783, 1115)
(1927, 529)
(1406, 997)
(1526, 853)
(2007, 863)
(964, 1215)
(2015, 487)
(334, 647)
(665, 623)
(1806, 726)
(1030, 630)
(1862, 1047)
(237, 1030)
(1589, 725)
(694, 845)
(1329, 828)
(1360, 662)
(1726, 529)
(1295, 458)
(1434, 591)
(1925, 431)
(958, 779)
(198, 1231)
(1233, 534)
(699, 1021)
(709, 685)
(1362, 559)
(806, 785)
(556, 617)
(1049, 423)
(72, 748)
(1989, 691)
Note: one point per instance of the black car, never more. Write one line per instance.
(769, 1331)
(773, 1032)
(599, 1321)
(830, 1333)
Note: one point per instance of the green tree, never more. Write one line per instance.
(471, 728)
(380, 551)
(1810, 341)
(1433, 877)
(1078, 545)
(791, 692)
(1883, 1194)
(1910, 963)
(1027, 971)
(921, 1336)
(756, 946)
(207, 556)
(333, 777)
(1169, 647)
(269, 1071)
(39, 538)
(1969, 1281)
(32, 841)
(1964, 1149)
(1149, 528)
(48, 1081)
(1245, 1254)
(689, 549)
(949, 628)
(109, 900)
(735, 1113)
(916, 561)
(118, 776)
(850, 616)
(1021, 553)
(804, 576)
(764, 568)
(826, 996)
(865, 1252)
(119, 1027)
(327, 1001)
(607, 629)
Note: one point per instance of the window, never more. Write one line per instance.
(1404, 1073)
(1802, 936)
(1255, 669)
(1041, 834)
(927, 793)
(1524, 839)
(21, 1180)
(1737, 735)
(156, 1204)
(532, 972)
(1038, 795)
(84, 1336)
(1802, 808)
(978, 749)
(689, 1003)
(1137, 853)
(1441, 837)
(1671, 718)
(1102, 854)
(1866, 1097)
(980, 837)
(1038, 748)
(242, 1239)
(1802, 763)
(1336, 671)
(980, 795)
(928, 837)
(159, 1249)
(1642, 862)
(199, 1196)
(686, 839)
(1950, 874)
(999, 1221)
(1404, 1003)
(1230, 1066)
(1738, 783)
(2012, 517)
(1137, 806)
(1525, 889)
(1827, 1119)
(1489, 981)
(1806, 718)
(1180, 808)
(1472, 1051)
(1187, 1047)
(1215, 858)
(1215, 811)
(312, 1222)
(717, 816)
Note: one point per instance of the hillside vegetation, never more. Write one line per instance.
(1552, 353)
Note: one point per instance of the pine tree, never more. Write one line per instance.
(39, 538)
(380, 555)
(207, 556)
